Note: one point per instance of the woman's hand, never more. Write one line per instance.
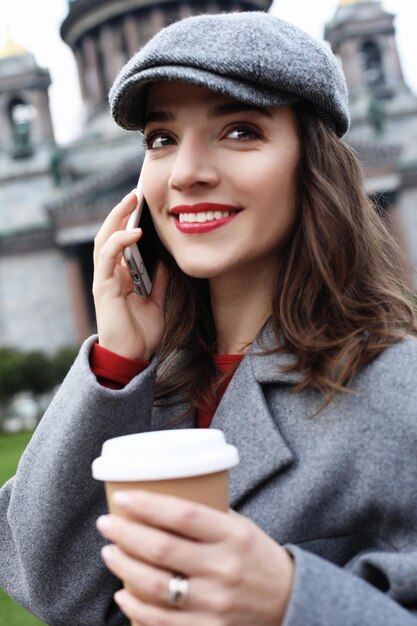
(127, 324)
(238, 576)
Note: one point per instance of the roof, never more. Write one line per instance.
(84, 196)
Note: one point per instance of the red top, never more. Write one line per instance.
(115, 371)
(225, 363)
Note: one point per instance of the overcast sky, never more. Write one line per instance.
(35, 25)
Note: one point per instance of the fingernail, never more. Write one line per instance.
(104, 524)
(128, 195)
(120, 597)
(107, 553)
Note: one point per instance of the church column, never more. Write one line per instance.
(42, 121)
(6, 135)
(157, 20)
(394, 223)
(392, 61)
(110, 55)
(92, 72)
(352, 67)
(81, 72)
(78, 303)
(131, 33)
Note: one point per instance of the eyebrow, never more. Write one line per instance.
(221, 110)
(237, 107)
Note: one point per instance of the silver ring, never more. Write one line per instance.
(178, 590)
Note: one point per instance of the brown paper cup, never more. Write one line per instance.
(187, 463)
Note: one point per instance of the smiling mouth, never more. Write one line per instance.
(197, 219)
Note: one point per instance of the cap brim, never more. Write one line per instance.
(129, 104)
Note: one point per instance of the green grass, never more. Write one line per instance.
(13, 615)
(11, 448)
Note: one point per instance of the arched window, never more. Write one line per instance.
(21, 116)
(372, 64)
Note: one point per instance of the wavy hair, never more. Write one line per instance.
(339, 298)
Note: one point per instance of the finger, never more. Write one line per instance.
(111, 252)
(152, 583)
(149, 582)
(154, 546)
(148, 615)
(186, 518)
(116, 219)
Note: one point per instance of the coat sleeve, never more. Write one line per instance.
(49, 547)
(327, 595)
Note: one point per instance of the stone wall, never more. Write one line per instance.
(35, 311)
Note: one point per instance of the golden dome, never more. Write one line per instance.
(11, 48)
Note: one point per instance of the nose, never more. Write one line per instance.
(194, 165)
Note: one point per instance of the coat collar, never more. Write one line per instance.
(246, 420)
(270, 368)
(247, 423)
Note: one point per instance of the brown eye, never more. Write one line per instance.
(243, 132)
(156, 141)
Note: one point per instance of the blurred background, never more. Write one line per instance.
(64, 164)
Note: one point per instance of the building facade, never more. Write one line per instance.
(53, 199)
(33, 283)
(383, 115)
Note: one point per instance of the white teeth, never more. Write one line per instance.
(202, 217)
(188, 217)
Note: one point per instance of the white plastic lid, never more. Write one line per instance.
(164, 454)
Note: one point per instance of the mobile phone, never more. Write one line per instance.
(142, 257)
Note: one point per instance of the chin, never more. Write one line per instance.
(197, 270)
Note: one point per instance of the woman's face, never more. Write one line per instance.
(219, 178)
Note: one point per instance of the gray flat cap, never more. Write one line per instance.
(253, 57)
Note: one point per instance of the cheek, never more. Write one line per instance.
(154, 182)
(153, 197)
(281, 206)
(281, 183)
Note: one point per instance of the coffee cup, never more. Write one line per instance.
(188, 463)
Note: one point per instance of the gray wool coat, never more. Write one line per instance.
(338, 489)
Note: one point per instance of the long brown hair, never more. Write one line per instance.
(339, 298)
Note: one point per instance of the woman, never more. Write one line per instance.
(277, 283)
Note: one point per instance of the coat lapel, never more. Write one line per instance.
(247, 423)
